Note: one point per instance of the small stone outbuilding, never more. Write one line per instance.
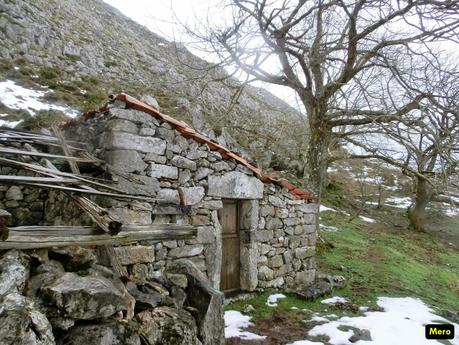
(254, 231)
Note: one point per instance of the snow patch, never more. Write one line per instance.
(328, 228)
(399, 202)
(235, 322)
(368, 220)
(15, 96)
(305, 342)
(334, 299)
(272, 300)
(451, 211)
(318, 318)
(324, 208)
(401, 322)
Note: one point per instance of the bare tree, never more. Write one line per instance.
(425, 145)
(348, 61)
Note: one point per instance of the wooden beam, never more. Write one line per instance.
(35, 179)
(33, 237)
(85, 191)
(11, 151)
(52, 172)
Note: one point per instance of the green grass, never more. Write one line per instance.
(377, 261)
(285, 304)
(392, 263)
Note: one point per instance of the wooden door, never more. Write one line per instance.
(229, 220)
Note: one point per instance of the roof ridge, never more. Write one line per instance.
(190, 133)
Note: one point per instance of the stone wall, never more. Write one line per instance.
(287, 239)
(189, 183)
(26, 205)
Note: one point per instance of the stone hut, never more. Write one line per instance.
(254, 231)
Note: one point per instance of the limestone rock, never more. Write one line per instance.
(131, 115)
(168, 196)
(101, 334)
(122, 126)
(193, 195)
(360, 334)
(139, 185)
(125, 160)
(305, 252)
(150, 100)
(14, 272)
(304, 277)
(14, 193)
(161, 170)
(202, 173)
(21, 323)
(265, 273)
(183, 162)
(129, 141)
(168, 326)
(235, 185)
(186, 251)
(74, 258)
(145, 296)
(86, 298)
(206, 300)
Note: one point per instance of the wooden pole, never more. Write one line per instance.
(47, 237)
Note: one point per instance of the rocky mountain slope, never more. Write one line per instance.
(85, 50)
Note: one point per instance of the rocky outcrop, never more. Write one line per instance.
(42, 304)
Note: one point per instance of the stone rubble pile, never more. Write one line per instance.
(56, 297)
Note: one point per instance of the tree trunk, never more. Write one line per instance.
(317, 155)
(417, 213)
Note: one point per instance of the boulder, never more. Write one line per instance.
(74, 258)
(46, 274)
(168, 326)
(22, 323)
(207, 301)
(86, 298)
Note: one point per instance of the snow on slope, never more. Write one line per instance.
(15, 96)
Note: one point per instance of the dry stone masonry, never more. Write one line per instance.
(190, 183)
(71, 295)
